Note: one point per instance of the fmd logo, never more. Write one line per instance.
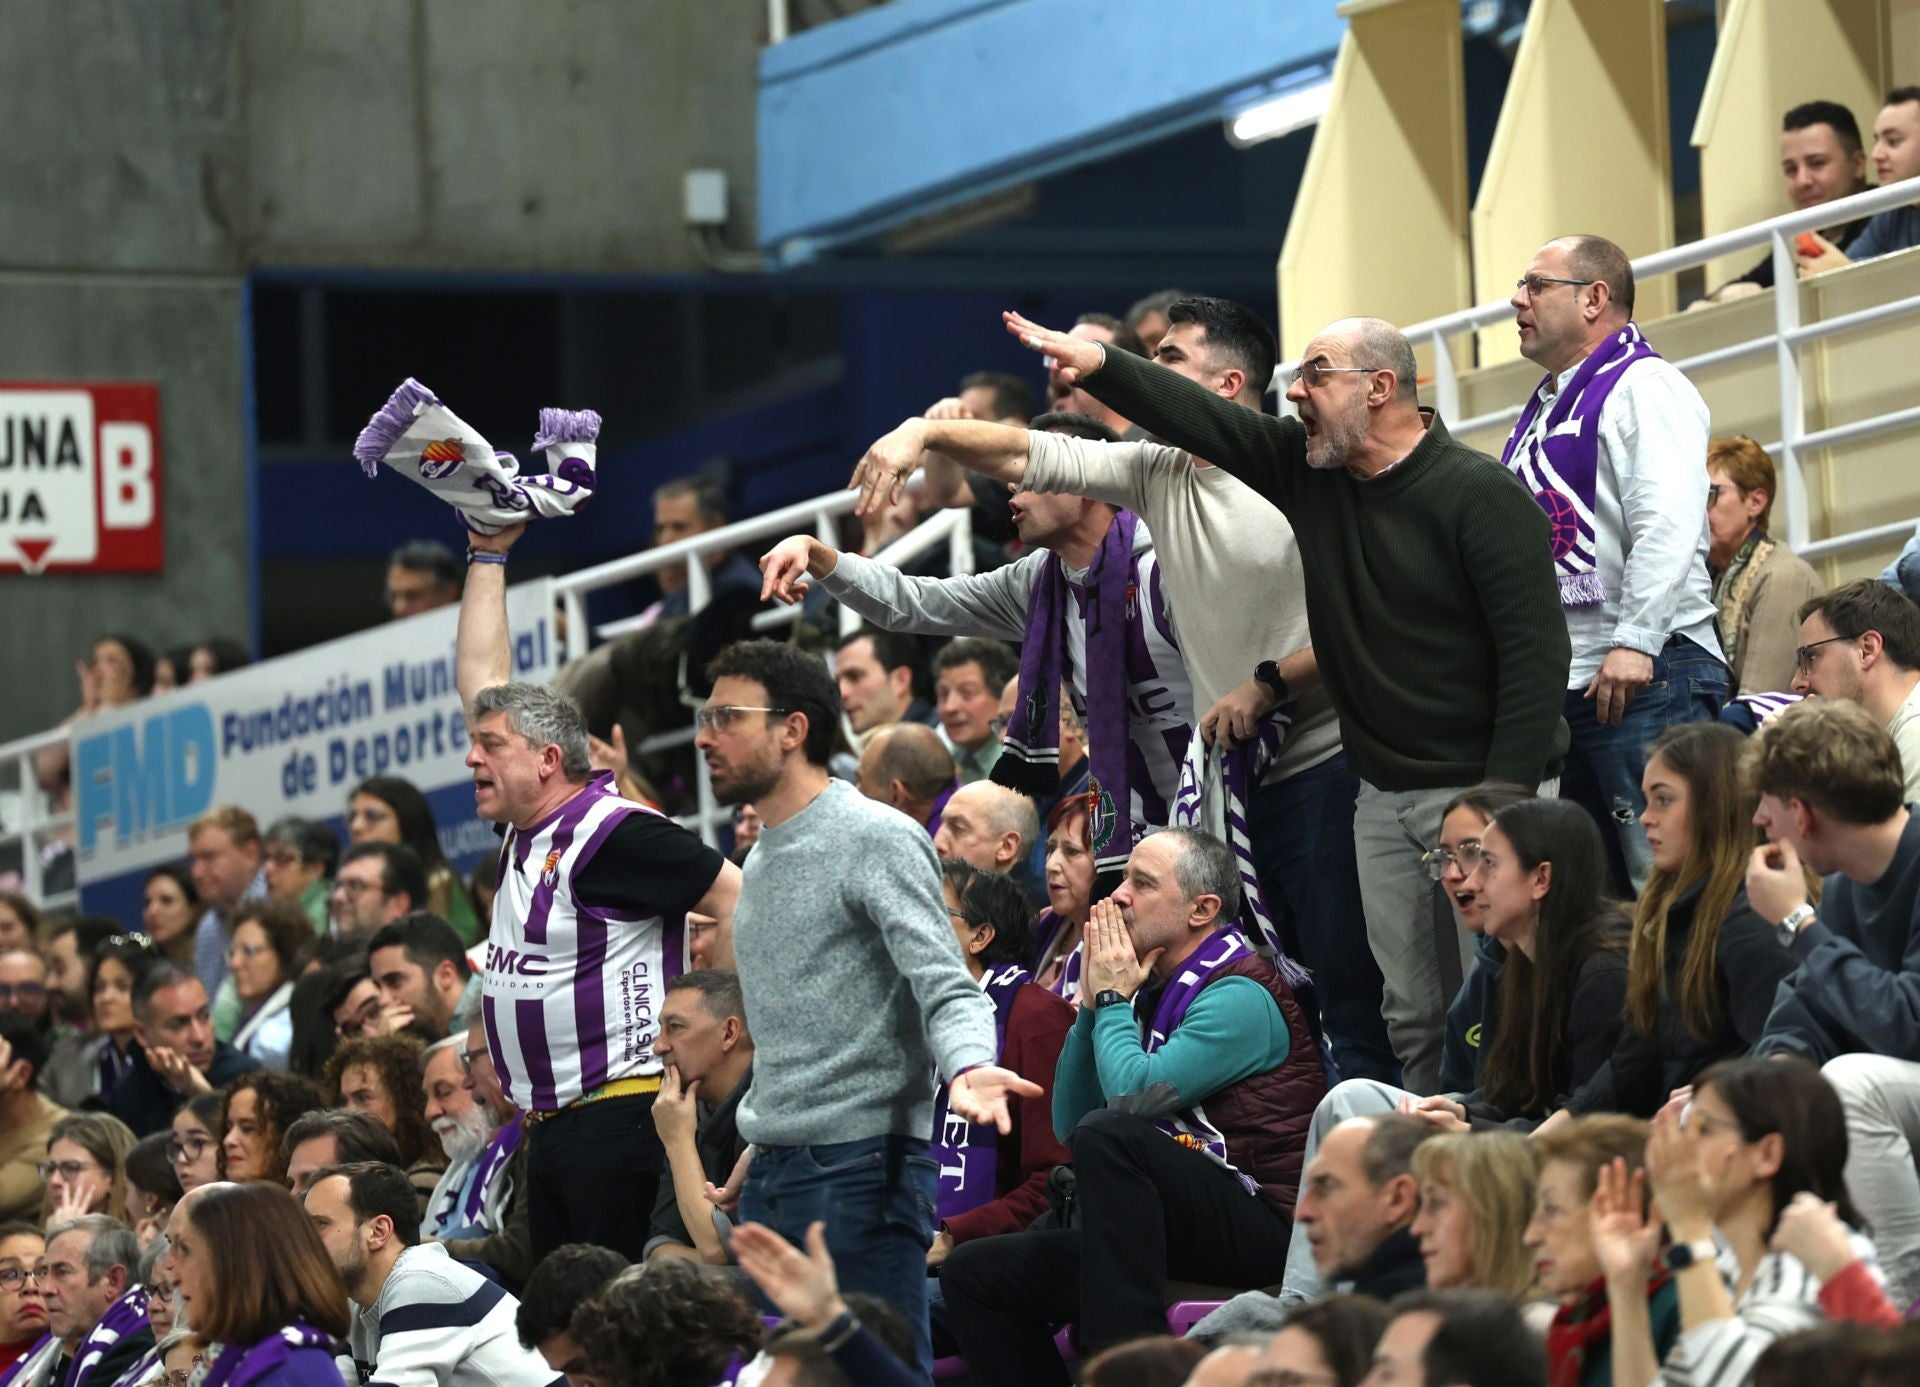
(144, 779)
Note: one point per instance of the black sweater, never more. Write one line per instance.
(1593, 1030)
(1430, 590)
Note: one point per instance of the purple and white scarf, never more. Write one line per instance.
(968, 1153)
(1189, 1126)
(237, 1367)
(1560, 464)
(127, 1315)
(1066, 984)
(421, 439)
(497, 1153)
(29, 1364)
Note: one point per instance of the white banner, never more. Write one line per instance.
(289, 736)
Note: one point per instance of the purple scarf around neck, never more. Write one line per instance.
(497, 1153)
(126, 1316)
(1189, 1126)
(1030, 755)
(14, 1370)
(237, 1367)
(968, 1153)
(1561, 464)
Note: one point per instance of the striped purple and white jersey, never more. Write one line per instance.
(572, 990)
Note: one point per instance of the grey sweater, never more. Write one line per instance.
(854, 983)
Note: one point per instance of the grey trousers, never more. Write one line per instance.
(1881, 1097)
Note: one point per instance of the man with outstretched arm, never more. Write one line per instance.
(588, 925)
(1430, 590)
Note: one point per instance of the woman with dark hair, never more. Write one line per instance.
(1756, 1133)
(254, 1278)
(388, 809)
(193, 1141)
(668, 1322)
(1328, 1343)
(263, 957)
(170, 911)
(1704, 967)
(215, 656)
(256, 1110)
(380, 1075)
(1469, 1025)
(152, 1187)
(117, 965)
(1057, 933)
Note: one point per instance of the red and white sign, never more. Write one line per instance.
(80, 478)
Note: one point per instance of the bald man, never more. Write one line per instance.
(907, 766)
(988, 826)
(1430, 592)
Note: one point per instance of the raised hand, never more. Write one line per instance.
(1624, 1238)
(783, 568)
(76, 1199)
(1110, 962)
(497, 543)
(1810, 1230)
(884, 468)
(1074, 358)
(980, 1095)
(1681, 1180)
(802, 1286)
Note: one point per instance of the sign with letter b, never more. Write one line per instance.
(80, 478)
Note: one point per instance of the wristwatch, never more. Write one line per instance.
(1268, 673)
(1680, 1256)
(1110, 997)
(1797, 919)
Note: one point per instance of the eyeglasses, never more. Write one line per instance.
(1803, 654)
(347, 886)
(1465, 857)
(1314, 372)
(367, 1013)
(179, 1377)
(66, 1170)
(13, 1278)
(1713, 494)
(187, 1148)
(247, 950)
(21, 991)
(133, 937)
(722, 716)
(1533, 284)
(467, 1057)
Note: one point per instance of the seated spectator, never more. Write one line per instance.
(989, 827)
(69, 1076)
(665, 1323)
(1821, 160)
(565, 1279)
(110, 987)
(224, 853)
(354, 1002)
(23, 1314)
(152, 1187)
(215, 656)
(1861, 643)
(1837, 1355)
(86, 1167)
(1896, 158)
(379, 1076)
(1329, 1342)
(19, 922)
(1476, 1195)
(331, 1137)
(255, 1280)
(262, 957)
(422, 574)
(1357, 1205)
(708, 1058)
(418, 1316)
(256, 1110)
(1458, 1339)
(27, 1118)
(1754, 1134)
(388, 809)
(1759, 585)
(501, 1236)
(875, 671)
(301, 857)
(1571, 1157)
(177, 1056)
(420, 967)
(193, 1141)
(683, 508)
(1058, 933)
(376, 884)
(861, 1336)
(968, 674)
(1470, 1015)
(465, 1129)
(23, 987)
(95, 1309)
(1148, 319)
(160, 1317)
(996, 396)
(1155, 1361)
(1811, 1231)
(989, 1182)
(909, 767)
(169, 910)
(1186, 1112)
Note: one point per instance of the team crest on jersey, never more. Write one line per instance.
(551, 872)
(1101, 818)
(442, 458)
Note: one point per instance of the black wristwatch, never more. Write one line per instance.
(1111, 997)
(1268, 673)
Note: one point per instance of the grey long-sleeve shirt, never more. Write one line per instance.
(854, 983)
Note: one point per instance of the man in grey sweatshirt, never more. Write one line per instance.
(855, 988)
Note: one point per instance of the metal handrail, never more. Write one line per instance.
(36, 816)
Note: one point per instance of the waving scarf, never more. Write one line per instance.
(1030, 755)
(127, 1315)
(30, 1364)
(1560, 464)
(968, 1153)
(420, 438)
(237, 1367)
(1189, 1126)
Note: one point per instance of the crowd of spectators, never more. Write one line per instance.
(1319, 904)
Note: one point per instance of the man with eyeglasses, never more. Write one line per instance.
(23, 984)
(499, 1238)
(177, 1055)
(95, 1308)
(1436, 628)
(1612, 444)
(376, 884)
(588, 922)
(27, 1117)
(1861, 642)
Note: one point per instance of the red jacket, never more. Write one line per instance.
(1037, 1026)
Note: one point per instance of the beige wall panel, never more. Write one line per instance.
(1379, 226)
(1581, 146)
(1771, 56)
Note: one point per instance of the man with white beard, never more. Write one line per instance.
(472, 1206)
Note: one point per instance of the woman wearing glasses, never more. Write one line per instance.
(193, 1147)
(267, 939)
(23, 1317)
(86, 1167)
(1451, 864)
(116, 965)
(1758, 583)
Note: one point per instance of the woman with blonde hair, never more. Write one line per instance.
(1476, 1196)
(86, 1167)
(1758, 583)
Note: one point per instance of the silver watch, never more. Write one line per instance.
(1797, 918)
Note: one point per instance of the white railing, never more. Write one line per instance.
(27, 816)
(1789, 335)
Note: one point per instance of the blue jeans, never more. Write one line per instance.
(876, 1196)
(1302, 830)
(1604, 763)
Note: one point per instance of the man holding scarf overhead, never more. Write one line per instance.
(1613, 445)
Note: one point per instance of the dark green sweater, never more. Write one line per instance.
(1435, 616)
